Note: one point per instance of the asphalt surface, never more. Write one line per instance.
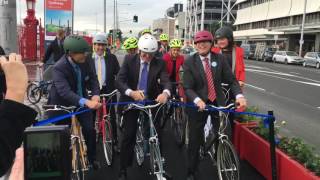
(292, 92)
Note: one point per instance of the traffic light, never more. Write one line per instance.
(135, 18)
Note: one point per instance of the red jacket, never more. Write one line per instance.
(240, 66)
(179, 62)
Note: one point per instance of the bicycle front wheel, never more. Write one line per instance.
(179, 126)
(227, 161)
(139, 147)
(156, 162)
(33, 93)
(107, 142)
(77, 166)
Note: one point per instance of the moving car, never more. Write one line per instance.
(312, 59)
(287, 57)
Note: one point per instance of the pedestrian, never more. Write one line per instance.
(72, 76)
(204, 72)
(106, 67)
(56, 47)
(14, 115)
(141, 77)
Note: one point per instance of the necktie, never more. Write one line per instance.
(143, 84)
(79, 81)
(99, 72)
(211, 89)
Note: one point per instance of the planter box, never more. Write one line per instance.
(256, 151)
(237, 132)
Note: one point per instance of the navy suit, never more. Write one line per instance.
(64, 92)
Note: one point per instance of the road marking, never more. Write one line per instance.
(255, 87)
(295, 73)
(318, 107)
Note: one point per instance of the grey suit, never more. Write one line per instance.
(195, 85)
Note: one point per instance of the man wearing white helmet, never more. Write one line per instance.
(137, 80)
(106, 67)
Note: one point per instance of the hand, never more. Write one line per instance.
(241, 103)
(93, 104)
(162, 98)
(95, 98)
(137, 95)
(241, 83)
(201, 105)
(17, 170)
(16, 77)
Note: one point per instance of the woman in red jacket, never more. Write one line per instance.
(174, 62)
(234, 55)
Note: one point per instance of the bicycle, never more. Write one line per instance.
(156, 160)
(227, 160)
(78, 147)
(38, 89)
(104, 128)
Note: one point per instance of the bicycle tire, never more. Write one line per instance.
(34, 93)
(107, 143)
(156, 162)
(139, 147)
(227, 161)
(179, 126)
(78, 169)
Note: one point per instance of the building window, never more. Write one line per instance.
(243, 27)
(260, 24)
(280, 22)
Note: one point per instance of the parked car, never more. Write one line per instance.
(246, 50)
(268, 54)
(287, 57)
(252, 51)
(312, 59)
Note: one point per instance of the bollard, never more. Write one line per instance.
(272, 146)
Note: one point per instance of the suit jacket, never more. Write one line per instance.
(14, 118)
(54, 49)
(64, 86)
(195, 81)
(128, 77)
(112, 69)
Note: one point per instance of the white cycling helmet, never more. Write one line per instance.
(100, 39)
(148, 43)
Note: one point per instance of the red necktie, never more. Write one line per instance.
(211, 89)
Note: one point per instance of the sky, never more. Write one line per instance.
(89, 13)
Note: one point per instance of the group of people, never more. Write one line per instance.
(148, 72)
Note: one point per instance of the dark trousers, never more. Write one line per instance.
(88, 131)
(129, 131)
(197, 121)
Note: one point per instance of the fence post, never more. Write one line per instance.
(272, 145)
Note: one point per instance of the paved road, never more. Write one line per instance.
(292, 92)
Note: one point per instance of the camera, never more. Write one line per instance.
(47, 153)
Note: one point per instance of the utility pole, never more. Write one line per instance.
(302, 27)
(104, 16)
(114, 22)
(8, 27)
(202, 14)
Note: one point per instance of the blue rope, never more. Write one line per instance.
(60, 118)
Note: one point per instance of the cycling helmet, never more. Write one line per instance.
(203, 36)
(75, 44)
(100, 39)
(130, 43)
(148, 43)
(146, 31)
(164, 37)
(175, 43)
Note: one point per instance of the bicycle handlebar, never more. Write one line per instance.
(230, 106)
(110, 94)
(59, 108)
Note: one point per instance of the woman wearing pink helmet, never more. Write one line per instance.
(203, 73)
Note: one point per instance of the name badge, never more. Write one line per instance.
(214, 64)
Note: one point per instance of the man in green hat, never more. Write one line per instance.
(72, 76)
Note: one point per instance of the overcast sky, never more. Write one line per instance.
(88, 12)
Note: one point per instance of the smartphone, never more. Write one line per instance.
(47, 153)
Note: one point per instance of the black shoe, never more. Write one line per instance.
(191, 177)
(116, 148)
(95, 165)
(122, 175)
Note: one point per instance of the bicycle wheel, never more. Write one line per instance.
(107, 142)
(227, 161)
(139, 147)
(77, 167)
(179, 126)
(34, 93)
(156, 162)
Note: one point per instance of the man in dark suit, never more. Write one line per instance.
(106, 67)
(72, 76)
(138, 79)
(203, 74)
(2, 79)
(56, 47)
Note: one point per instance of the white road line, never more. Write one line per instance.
(318, 107)
(295, 73)
(255, 87)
